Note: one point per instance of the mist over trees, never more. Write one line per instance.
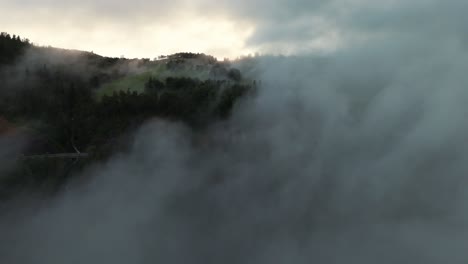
(355, 154)
(51, 94)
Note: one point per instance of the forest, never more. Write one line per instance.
(50, 96)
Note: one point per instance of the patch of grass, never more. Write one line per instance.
(137, 82)
(132, 83)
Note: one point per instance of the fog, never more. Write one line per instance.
(356, 156)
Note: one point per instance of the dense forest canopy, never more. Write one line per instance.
(52, 96)
(11, 47)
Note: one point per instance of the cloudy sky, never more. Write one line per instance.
(149, 28)
(224, 28)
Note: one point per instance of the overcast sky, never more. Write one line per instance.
(226, 28)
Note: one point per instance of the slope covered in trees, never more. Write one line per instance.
(52, 95)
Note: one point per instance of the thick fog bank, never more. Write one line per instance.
(358, 156)
(353, 158)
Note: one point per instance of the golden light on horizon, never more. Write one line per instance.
(216, 36)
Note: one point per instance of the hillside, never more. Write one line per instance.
(196, 66)
(71, 101)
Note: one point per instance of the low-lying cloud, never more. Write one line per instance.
(328, 164)
(357, 156)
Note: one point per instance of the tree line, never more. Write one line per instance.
(11, 47)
